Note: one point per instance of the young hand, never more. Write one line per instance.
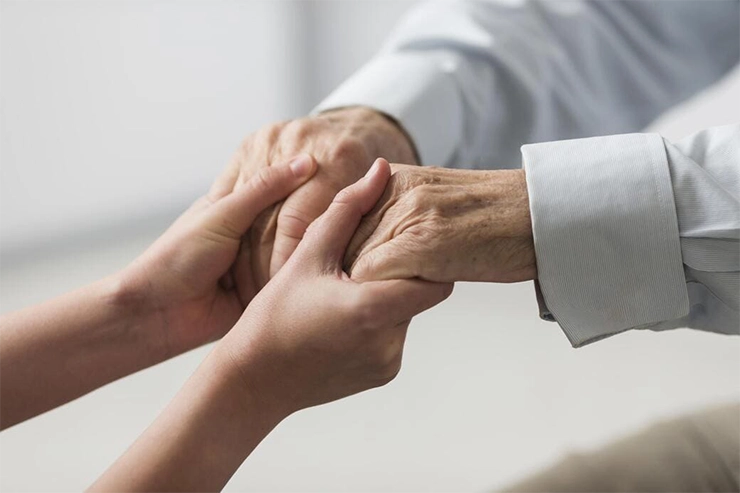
(313, 335)
(344, 144)
(188, 279)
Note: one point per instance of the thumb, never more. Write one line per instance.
(232, 215)
(330, 234)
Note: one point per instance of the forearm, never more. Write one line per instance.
(55, 352)
(199, 440)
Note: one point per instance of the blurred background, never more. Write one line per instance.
(116, 115)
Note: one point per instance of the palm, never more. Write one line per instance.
(204, 287)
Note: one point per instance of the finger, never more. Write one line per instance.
(261, 236)
(371, 226)
(390, 260)
(296, 214)
(232, 215)
(331, 232)
(241, 271)
(402, 299)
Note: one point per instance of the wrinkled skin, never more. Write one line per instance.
(314, 335)
(447, 225)
(344, 143)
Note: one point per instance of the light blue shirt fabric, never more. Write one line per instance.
(631, 231)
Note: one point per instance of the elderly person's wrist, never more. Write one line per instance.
(511, 230)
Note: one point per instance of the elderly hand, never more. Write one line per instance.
(344, 143)
(313, 335)
(447, 225)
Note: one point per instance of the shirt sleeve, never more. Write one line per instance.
(472, 81)
(632, 231)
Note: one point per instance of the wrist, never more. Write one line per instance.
(198, 441)
(129, 295)
(250, 375)
(510, 226)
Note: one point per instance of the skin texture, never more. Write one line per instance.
(188, 277)
(174, 297)
(313, 335)
(447, 225)
(344, 143)
(341, 336)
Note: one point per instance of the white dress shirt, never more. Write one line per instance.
(630, 231)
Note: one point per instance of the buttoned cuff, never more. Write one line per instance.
(417, 91)
(605, 234)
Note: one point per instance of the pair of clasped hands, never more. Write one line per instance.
(308, 257)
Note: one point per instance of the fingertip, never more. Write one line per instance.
(380, 169)
(338, 223)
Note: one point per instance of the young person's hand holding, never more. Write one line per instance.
(312, 335)
(343, 142)
(189, 278)
(176, 296)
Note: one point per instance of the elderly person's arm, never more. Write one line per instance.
(311, 336)
(622, 232)
(343, 142)
(466, 83)
(472, 81)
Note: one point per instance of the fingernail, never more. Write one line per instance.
(301, 165)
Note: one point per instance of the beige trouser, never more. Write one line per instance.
(698, 452)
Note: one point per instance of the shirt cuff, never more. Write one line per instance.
(418, 92)
(605, 234)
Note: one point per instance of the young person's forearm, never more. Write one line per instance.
(55, 352)
(200, 439)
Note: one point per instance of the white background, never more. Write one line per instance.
(116, 115)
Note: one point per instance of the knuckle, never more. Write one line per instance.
(245, 146)
(349, 148)
(298, 131)
(401, 173)
(271, 133)
(228, 229)
(345, 196)
(404, 176)
(293, 222)
(418, 198)
(345, 202)
(263, 181)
